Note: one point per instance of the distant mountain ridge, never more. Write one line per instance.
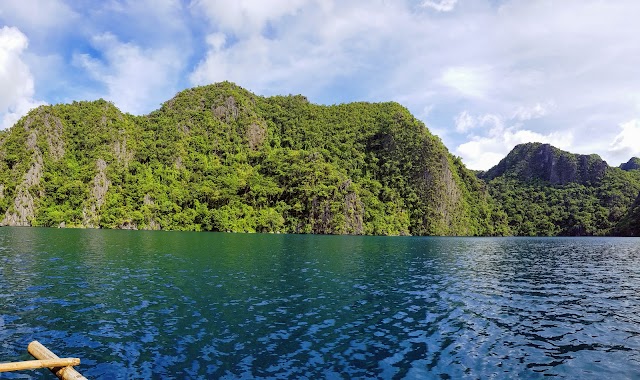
(632, 164)
(537, 161)
(548, 191)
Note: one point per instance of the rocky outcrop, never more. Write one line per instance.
(256, 134)
(543, 162)
(100, 186)
(100, 183)
(446, 193)
(128, 225)
(178, 163)
(151, 223)
(353, 214)
(122, 153)
(632, 164)
(53, 132)
(228, 111)
(23, 208)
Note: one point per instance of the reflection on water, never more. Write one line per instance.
(201, 305)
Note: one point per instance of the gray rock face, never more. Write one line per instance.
(53, 132)
(632, 164)
(543, 162)
(23, 209)
(98, 194)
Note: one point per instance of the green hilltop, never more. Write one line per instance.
(548, 192)
(632, 164)
(219, 158)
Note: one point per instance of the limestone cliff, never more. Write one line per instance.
(547, 191)
(536, 161)
(632, 164)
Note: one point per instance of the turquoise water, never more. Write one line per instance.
(145, 305)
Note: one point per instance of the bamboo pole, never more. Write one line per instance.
(36, 364)
(39, 351)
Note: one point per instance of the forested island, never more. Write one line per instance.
(219, 158)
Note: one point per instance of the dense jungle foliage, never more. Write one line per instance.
(630, 223)
(219, 158)
(549, 192)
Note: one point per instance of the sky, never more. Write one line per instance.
(483, 75)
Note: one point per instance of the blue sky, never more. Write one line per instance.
(484, 75)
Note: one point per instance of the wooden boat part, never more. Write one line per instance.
(36, 364)
(40, 352)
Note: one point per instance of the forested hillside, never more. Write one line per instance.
(220, 158)
(630, 223)
(547, 192)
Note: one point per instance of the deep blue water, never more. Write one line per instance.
(202, 305)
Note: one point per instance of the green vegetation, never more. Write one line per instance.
(541, 209)
(218, 158)
(549, 192)
(630, 223)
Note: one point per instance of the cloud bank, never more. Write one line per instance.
(483, 74)
(16, 81)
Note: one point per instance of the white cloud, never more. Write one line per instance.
(153, 23)
(245, 17)
(319, 48)
(575, 74)
(485, 66)
(627, 143)
(464, 122)
(486, 150)
(280, 72)
(216, 41)
(137, 80)
(440, 6)
(16, 80)
(536, 111)
(473, 82)
(470, 69)
(37, 15)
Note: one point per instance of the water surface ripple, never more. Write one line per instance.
(202, 305)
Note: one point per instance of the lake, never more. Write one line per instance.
(134, 304)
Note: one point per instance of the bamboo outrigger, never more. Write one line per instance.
(61, 367)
